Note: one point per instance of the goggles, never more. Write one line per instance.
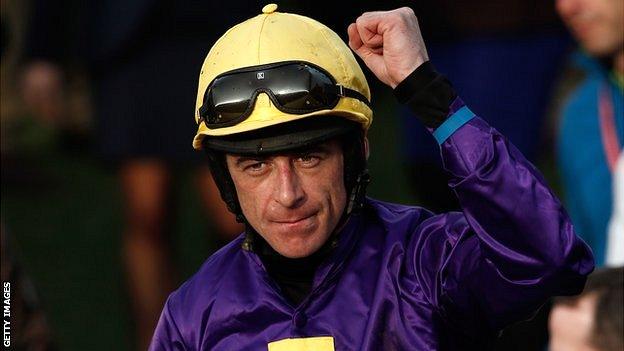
(294, 87)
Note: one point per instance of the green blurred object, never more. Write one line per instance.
(27, 136)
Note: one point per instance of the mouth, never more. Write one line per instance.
(297, 224)
(295, 220)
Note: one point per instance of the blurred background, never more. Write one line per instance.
(105, 205)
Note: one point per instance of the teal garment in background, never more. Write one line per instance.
(586, 179)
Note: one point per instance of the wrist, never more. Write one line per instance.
(428, 94)
(406, 72)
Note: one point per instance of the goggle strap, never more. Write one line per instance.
(203, 110)
(346, 92)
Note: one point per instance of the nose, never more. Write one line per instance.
(288, 190)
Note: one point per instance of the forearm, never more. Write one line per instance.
(526, 246)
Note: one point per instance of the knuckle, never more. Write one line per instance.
(406, 13)
(407, 10)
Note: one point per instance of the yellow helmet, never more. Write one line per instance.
(274, 37)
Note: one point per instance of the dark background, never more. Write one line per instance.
(60, 200)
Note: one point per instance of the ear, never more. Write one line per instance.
(366, 148)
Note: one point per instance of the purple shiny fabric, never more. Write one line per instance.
(401, 277)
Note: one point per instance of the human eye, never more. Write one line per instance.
(308, 160)
(252, 165)
(255, 167)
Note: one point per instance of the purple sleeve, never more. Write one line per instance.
(167, 336)
(513, 246)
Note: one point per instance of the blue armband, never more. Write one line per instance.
(453, 123)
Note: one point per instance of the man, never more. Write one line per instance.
(592, 321)
(590, 126)
(283, 109)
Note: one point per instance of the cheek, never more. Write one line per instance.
(335, 188)
(340, 197)
(250, 197)
(325, 188)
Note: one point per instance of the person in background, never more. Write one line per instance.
(589, 115)
(592, 321)
(141, 58)
(29, 327)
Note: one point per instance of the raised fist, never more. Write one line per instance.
(389, 42)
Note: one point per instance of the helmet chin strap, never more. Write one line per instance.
(358, 192)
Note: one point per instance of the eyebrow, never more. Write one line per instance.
(320, 148)
(243, 159)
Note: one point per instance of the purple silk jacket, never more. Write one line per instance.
(401, 278)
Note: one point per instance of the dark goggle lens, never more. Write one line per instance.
(228, 98)
(309, 89)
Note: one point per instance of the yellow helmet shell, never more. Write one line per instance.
(275, 37)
